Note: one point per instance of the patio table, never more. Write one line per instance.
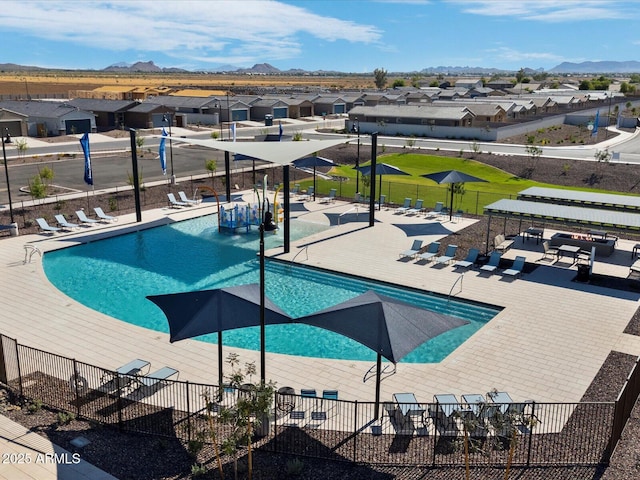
(569, 250)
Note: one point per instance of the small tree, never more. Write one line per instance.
(534, 153)
(211, 166)
(214, 134)
(380, 78)
(22, 146)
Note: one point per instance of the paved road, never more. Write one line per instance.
(112, 164)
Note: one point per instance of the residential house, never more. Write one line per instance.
(45, 119)
(109, 114)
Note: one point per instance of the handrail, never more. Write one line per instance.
(384, 373)
(29, 251)
(303, 249)
(459, 279)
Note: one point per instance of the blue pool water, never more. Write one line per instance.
(115, 275)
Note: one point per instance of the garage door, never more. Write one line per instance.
(281, 112)
(339, 108)
(239, 115)
(77, 126)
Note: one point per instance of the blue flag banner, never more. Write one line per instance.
(162, 152)
(595, 123)
(233, 131)
(88, 172)
(280, 132)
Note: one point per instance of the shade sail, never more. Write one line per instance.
(191, 314)
(282, 153)
(313, 161)
(388, 326)
(452, 176)
(381, 169)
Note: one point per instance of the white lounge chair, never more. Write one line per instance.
(413, 251)
(156, 378)
(103, 216)
(436, 211)
(185, 199)
(84, 219)
(62, 222)
(516, 269)
(404, 208)
(417, 208)
(432, 251)
(44, 226)
(492, 264)
(175, 202)
(449, 253)
(471, 258)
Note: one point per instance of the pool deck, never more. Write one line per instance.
(547, 344)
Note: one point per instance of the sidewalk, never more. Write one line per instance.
(27, 455)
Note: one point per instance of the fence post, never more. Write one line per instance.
(119, 401)
(15, 344)
(477, 200)
(533, 415)
(435, 434)
(75, 378)
(355, 430)
(189, 412)
(3, 366)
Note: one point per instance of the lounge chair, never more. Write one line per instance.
(295, 190)
(123, 376)
(417, 208)
(381, 203)
(103, 216)
(330, 394)
(62, 222)
(469, 261)
(185, 199)
(516, 269)
(413, 251)
(432, 251)
(306, 196)
(501, 244)
(436, 211)
(44, 226)
(404, 208)
(444, 415)
(331, 198)
(449, 253)
(156, 379)
(548, 252)
(492, 264)
(84, 219)
(175, 203)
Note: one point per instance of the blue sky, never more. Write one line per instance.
(345, 35)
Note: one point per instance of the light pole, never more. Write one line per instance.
(169, 121)
(356, 128)
(266, 225)
(219, 105)
(7, 139)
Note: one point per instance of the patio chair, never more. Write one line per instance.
(295, 190)
(404, 208)
(469, 261)
(185, 199)
(103, 216)
(331, 198)
(307, 196)
(413, 251)
(516, 269)
(436, 211)
(64, 224)
(449, 253)
(381, 203)
(432, 251)
(175, 203)
(153, 382)
(45, 227)
(123, 376)
(417, 208)
(444, 414)
(548, 251)
(492, 264)
(84, 219)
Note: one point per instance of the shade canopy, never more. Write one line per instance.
(452, 176)
(381, 169)
(388, 326)
(313, 161)
(191, 314)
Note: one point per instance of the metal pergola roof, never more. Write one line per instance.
(576, 197)
(566, 214)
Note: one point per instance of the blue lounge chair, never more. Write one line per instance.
(432, 251)
(404, 208)
(471, 258)
(331, 198)
(492, 264)
(436, 211)
(175, 202)
(516, 269)
(155, 379)
(45, 227)
(413, 251)
(417, 208)
(84, 219)
(103, 216)
(62, 222)
(448, 255)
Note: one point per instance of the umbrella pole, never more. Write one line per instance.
(451, 205)
(314, 183)
(220, 379)
(378, 373)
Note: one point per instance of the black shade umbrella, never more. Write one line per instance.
(388, 326)
(191, 314)
(313, 161)
(381, 169)
(451, 176)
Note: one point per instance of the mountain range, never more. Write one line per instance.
(601, 67)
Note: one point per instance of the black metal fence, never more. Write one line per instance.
(491, 434)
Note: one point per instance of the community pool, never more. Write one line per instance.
(115, 275)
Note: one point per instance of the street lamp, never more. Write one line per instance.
(219, 107)
(7, 139)
(356, 129)
(266, 225)
(169, 121)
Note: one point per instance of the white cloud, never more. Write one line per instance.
(506, 54)
(191, 30)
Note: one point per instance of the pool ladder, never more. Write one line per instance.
(459, 279)
(303, 249)
(29, 251)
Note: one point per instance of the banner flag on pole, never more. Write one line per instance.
(280, 132)
(233, 131)
(163, 152)
(88, 172)
(595, 123)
